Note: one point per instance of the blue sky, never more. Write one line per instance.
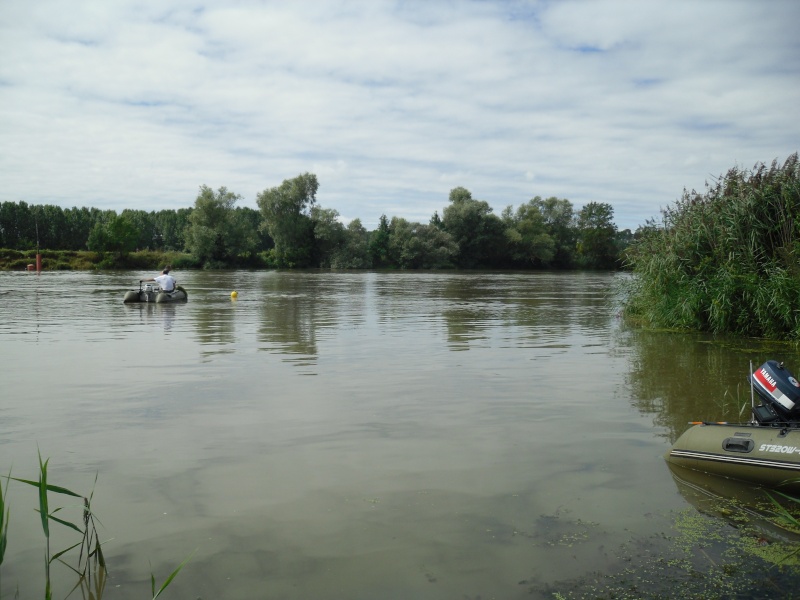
(119, 104)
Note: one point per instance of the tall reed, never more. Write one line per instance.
(725, 261)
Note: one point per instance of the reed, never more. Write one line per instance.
(89, 541)
(786, 517)
(169, 579)
(725, 261)
(5, 513)
(90, 567)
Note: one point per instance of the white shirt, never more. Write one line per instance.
(166, 282)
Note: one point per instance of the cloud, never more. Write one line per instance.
(392, 104)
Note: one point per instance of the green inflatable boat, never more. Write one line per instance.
(153, 293)
(764, 451)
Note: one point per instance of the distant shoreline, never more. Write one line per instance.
(85, 260)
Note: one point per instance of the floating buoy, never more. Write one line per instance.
(234, 295)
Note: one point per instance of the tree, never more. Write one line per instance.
(417, 246)
(478, 233)
(49, 226)
(78, 224)
(17, 226)
(113, 233)
(286, 213)
(529, 243)
(328, 235)
(256, 222)
(559, 220)
(354, 252)
(623, 240)
(596, 236)
(170, 228)
(379, 244)
(144, 223)
(216, 235)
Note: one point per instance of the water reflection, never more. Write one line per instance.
(154, 314)
(215, 326)
(682, 377)
(288, 319)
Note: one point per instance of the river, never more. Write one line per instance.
(349, 435)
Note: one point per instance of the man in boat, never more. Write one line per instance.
(165, 281)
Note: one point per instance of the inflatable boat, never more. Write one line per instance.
(151, 292)
(764, 451)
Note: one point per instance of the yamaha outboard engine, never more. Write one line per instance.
(779, 392)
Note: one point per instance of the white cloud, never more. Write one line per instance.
(391, 104)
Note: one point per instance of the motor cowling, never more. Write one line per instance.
(778, 390)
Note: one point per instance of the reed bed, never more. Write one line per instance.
(725, 261)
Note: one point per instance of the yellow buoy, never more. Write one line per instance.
(234, 295)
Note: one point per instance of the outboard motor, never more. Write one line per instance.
(779, 392)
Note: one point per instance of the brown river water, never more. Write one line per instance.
(349, 435)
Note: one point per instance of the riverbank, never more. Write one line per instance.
(84, 260)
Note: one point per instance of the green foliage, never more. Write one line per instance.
(289, 231)
(55, 260)
(145, 227)
(218, 234)
(417, 246)
(479, 235)
(379, 244)
(529, 242)
(328, 235)
(354, 252)
(596, 236)
(725, 261)
(170, 228)
(286, 213)
(113, 234)
(561, 226)
(337, 246)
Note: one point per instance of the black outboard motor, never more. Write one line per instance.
(779, 392)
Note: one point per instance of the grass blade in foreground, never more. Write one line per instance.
(169, 579)
(784, 515)
(4, 517)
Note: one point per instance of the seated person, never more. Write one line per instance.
(165, 281)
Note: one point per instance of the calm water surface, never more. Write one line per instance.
(349, 435)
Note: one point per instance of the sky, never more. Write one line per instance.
(121, 104)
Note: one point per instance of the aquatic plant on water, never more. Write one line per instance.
(705, 556)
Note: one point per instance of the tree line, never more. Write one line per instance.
(290, 230)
